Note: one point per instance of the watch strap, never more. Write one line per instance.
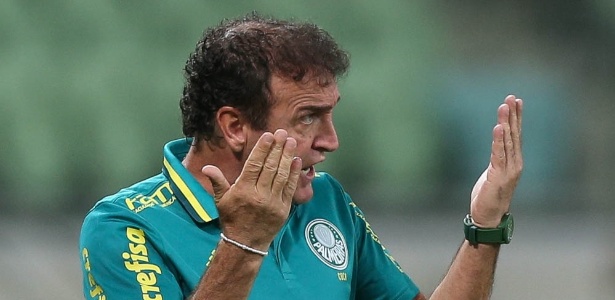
(499, 235)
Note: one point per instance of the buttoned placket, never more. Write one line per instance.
(280, 260)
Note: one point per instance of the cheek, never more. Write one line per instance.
(304, 141)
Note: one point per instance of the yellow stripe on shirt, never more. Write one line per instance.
(187, 192)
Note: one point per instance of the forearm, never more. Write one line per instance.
(470, 276)
(471, 273)
(230, 274)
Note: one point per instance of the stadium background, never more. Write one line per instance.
(90, 94)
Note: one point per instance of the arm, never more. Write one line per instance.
(470, 276)
(119, 258)
(230, 274)
(252, 211)
(471, 273)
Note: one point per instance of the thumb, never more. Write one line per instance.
(479, 183)
(218, 181)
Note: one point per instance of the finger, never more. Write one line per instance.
(256, 159)
(513, 120)
(291, 184)
(218, 182)
(281, 178)
(498, 154)
(520, 114)
(519, 145)
(503, 112)
(503, 119)
(512, 116)
(272, 162)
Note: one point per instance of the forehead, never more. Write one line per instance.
(287, 92)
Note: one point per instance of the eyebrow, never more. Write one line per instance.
(319, 108)
(316, 108)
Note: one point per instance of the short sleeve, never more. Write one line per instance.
(119, 258)
(378, 275)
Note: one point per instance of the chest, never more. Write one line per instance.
(312, 256)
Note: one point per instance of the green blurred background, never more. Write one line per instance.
(90, 91)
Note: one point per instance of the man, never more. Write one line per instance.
(239, 210)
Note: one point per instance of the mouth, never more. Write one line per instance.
(308, 171)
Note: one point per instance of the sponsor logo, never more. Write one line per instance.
(327, 243)
(96, 292)
(162, 196)
(137, 260)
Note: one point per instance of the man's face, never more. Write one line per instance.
(305, 111)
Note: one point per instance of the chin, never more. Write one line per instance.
(303, 194)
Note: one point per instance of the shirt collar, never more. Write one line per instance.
(191, 194)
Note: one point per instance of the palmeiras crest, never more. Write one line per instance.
(327, 243)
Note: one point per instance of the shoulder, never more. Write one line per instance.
(117, 220)
(126, 206)
(135, 198)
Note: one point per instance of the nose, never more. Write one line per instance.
(326, 139)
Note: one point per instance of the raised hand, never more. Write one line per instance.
(492, 193)
(254, 208)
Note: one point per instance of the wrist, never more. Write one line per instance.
(489, 219)
(243, 246)
(247, 237)
(485, 224)
(501, 234)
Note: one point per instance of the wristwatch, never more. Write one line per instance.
(499, 235)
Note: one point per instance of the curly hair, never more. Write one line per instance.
(233, 63)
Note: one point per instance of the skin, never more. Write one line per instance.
(470, 276)
(255, 176)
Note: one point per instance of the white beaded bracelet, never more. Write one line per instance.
(242, 246)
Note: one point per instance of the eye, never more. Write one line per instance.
(307, 119)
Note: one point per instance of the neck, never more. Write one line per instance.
(207, 154)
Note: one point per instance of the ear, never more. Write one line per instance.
(231, 126)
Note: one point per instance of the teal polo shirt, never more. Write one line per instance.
(155, 239)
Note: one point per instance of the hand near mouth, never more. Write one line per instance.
(253, 209)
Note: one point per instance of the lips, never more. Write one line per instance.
(309, 172)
